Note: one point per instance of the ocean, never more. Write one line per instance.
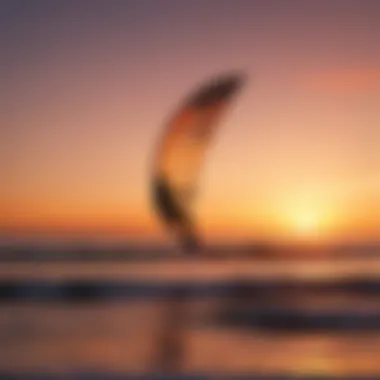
(205, 317)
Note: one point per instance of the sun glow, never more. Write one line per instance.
(308, 220)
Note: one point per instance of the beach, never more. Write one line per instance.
(287, 317)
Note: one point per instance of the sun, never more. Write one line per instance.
(306, 222)
(305, 219)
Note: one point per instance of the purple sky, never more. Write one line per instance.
(87, 87)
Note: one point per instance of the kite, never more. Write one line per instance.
(181, 154)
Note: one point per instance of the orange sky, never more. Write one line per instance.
(88, 89)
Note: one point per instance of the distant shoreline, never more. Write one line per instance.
(89, 253)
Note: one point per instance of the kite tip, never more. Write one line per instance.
(219, 88)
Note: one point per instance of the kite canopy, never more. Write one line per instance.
(181, 152)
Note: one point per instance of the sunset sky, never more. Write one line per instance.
(87, 87)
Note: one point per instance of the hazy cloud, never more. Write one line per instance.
(343, 81)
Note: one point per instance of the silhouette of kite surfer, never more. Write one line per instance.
(175, 215)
